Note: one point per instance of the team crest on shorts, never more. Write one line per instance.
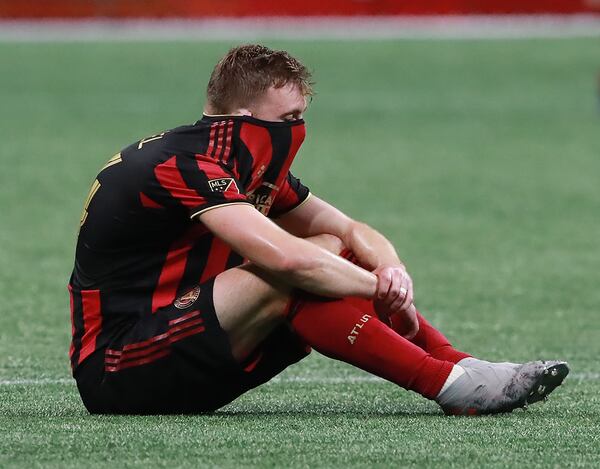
(222, 184)
(187, 299)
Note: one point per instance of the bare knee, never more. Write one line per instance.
(248, 305)
(328, 241)
(247, 293)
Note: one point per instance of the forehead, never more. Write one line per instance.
(287, 96)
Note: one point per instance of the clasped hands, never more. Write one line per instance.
(394, 297)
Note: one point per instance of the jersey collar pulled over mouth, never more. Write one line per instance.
(251, 120)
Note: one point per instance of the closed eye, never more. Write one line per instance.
(292, 117)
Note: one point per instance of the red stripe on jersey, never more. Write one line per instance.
(92, 322)
(219, 140)
(286, 197)
(170, 178)
(217, 259)
(298, 134)
(147, 202)
(211, 139)
(258, 141)
(170, 276)
(72, 307)
(174, 267)
(227, 150)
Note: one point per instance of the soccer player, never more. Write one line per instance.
(204, 268)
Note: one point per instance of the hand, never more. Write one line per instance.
(395, 296)
(406, 322)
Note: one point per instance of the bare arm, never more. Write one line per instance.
(295, 260)
(316, 216)
(371, 248)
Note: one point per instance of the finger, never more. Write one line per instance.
(383, 284)
(396, 291)
(412, 319)
(402, 289)
(396, 306)
(412, 291)
(399, 303)
(408, 298)
(407, 286)
(383, 312)
(414, 330)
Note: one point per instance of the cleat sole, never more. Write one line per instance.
(552, 377)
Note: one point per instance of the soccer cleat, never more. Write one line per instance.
(492, 388)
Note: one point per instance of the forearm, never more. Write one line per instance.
(394, 290)
(318, 217)
(321, 272)
(369, 246)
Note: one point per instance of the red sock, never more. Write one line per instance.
(428, 338)
(341, 331)
(432, 341)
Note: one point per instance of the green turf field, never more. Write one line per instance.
(479, 159)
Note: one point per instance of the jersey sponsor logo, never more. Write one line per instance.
(187, 299)
(222, 185)
(263, 197)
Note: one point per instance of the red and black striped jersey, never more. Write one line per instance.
(140, 244)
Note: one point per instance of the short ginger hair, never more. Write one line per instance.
(247, 72)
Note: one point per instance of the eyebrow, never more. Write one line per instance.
(296, 111)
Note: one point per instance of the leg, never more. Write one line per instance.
(339, 330)
(325, 325)
(476, 386)
(431, 340)
(176, 360)
(187, 352)
(428, 338)
(259, 305)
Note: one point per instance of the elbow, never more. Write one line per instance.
(353, 230)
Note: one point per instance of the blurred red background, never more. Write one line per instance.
(23, 9)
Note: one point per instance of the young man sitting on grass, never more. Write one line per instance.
(204, 268)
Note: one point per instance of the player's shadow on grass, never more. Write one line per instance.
(311, 412)
(324, 410)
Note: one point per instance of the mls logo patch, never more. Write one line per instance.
(187, 299)
(222, 184)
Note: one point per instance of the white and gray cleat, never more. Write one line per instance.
(491, 388)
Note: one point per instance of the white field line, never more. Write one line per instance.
(277, 380)
(305, 28)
